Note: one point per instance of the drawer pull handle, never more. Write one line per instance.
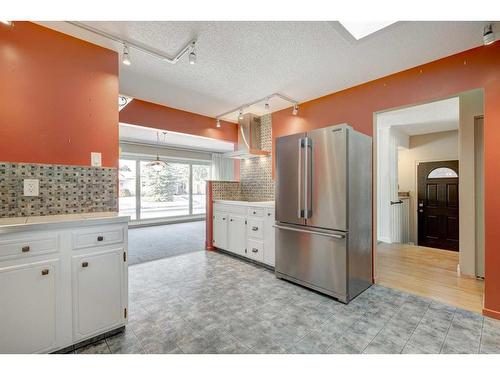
(25, 249)
(100, 238)
(255, 229)
(230, 219)
(85, 264)
(223, 218)
(254, 212)
(268, 214)
(45, 272)
(254, 250)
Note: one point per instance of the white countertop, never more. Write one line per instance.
(13, 224)
(247, 203)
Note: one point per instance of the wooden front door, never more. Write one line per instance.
(437, 204)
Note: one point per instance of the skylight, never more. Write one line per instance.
(360, 29)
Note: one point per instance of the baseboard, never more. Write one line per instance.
(491, 313)
(384, 239)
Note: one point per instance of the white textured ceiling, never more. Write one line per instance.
(439, 116)
(143, 135)
(239, 62)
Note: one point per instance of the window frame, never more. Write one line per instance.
(146, 158)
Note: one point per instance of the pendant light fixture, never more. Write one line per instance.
(158, 165)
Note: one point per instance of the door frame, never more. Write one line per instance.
(375, 170)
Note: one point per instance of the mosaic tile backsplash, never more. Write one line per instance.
(226, 190)
(256, 178)
(63, 189)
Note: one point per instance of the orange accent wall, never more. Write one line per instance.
(58, 98)
(140, 112)
(472, 69)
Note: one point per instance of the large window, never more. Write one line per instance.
(176, 190)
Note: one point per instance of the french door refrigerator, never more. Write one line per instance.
(324, 210)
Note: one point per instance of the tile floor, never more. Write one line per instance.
(208, 302)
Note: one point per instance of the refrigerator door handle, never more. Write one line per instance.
(308, 178)
(339, 236)
(300, 210)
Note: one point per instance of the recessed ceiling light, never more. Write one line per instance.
(360, 29)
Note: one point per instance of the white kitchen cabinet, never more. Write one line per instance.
(28, 307)
(97, 290)
(247, 230)
(269, 221)
(237, 234)
(60, 283)
(220, 230)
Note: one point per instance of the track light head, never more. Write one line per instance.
(8, 23)
(126, 57)
(192, 54)
(240, 115)
(217, 124)
(295, 109)
(488, 35)
(266, 106)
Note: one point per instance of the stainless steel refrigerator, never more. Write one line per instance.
(324, 210)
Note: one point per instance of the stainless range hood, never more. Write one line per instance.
(249, 139)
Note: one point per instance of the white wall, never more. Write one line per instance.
(471, 106)
(388, 141)
(425, 147)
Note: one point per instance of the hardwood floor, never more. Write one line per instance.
(427, 272)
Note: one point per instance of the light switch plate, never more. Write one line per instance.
(95, 159)
(31, 187)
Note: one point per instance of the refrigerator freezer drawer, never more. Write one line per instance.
(314, 259)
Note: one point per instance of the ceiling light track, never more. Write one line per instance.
(188, 48)
(240, 109)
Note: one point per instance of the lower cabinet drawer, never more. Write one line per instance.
(255, 228)
(255, 250)
(91, 237)
(28, 244)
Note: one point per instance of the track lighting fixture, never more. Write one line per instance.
(266, 106)
(488, 35)
(126, 56)
(217, 124)
(8, 23)
(187, 49)
(192, 55)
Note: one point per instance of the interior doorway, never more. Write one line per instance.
(425, 219)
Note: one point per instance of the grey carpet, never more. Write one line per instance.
(163, 241)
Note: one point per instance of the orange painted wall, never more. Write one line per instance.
(58, 98)
(140, 112)
(473, 69)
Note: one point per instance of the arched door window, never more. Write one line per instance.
(442, 172)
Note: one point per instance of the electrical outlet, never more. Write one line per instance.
(31, 187)
(95, 159)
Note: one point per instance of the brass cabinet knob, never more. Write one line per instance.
(85, 264)
(45, 272)
(25, 249)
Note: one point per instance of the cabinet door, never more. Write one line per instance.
(237, 234)
(97, 292)
(269, 237)
(220, 230)
(28, 307)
